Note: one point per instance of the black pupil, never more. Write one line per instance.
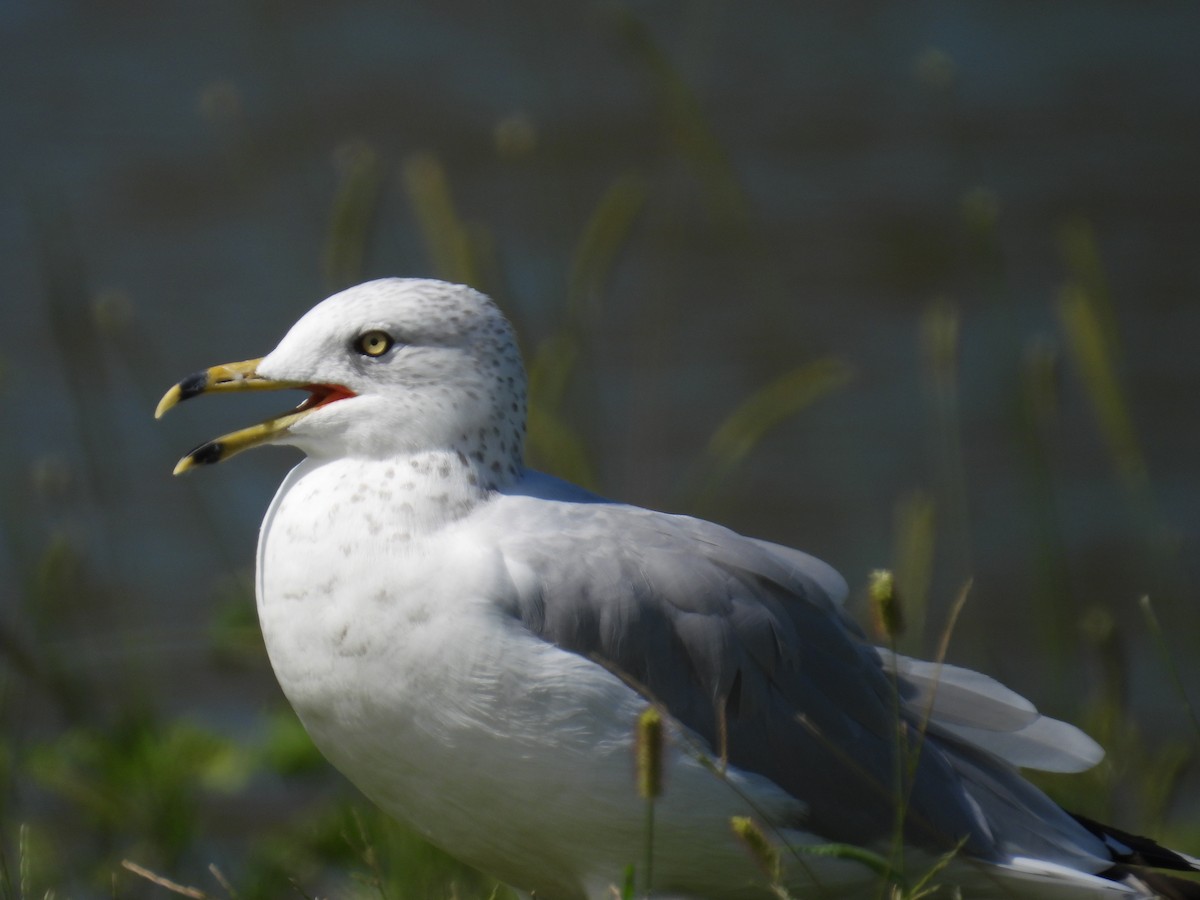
(375, 343)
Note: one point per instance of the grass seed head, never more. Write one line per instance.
(886, 608)
(650, 753)
(756, 842)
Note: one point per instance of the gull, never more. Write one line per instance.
(472, 643)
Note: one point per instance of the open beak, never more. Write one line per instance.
(243, 376)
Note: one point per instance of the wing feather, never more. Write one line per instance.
(980, 711)
(719, 627)
(746, 640)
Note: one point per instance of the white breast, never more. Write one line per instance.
(386, 635)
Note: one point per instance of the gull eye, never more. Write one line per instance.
(373, 343)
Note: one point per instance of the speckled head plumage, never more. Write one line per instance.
(395, 366)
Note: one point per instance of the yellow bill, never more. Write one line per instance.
(243, 376)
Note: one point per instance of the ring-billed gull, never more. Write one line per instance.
(471, 643)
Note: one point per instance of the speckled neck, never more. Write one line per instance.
(389, 503)
(448, 482)
(497, 448)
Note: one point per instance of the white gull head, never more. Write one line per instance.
(432, 366)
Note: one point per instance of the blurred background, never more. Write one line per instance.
(906, 285)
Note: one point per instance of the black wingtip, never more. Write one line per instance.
(1164, 887)
(1135, 850)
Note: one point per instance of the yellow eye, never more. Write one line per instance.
(374, 343)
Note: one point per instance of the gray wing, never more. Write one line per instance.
(734, 637)
(746, 639)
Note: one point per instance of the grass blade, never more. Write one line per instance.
(447, 238)
(1169, 660)
(758, 414)
(354, 206)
